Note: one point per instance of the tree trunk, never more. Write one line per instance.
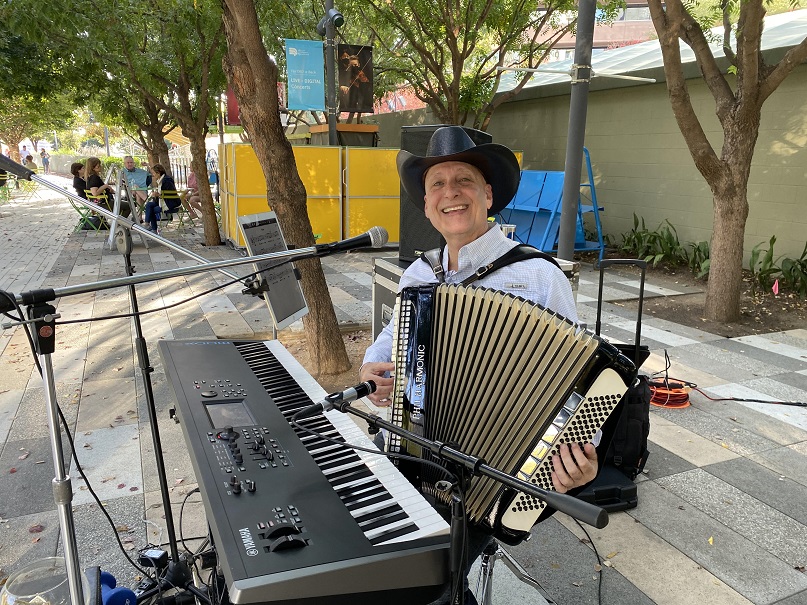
(726, 255)
(253, 78)
(730, 191)
(158, 150)
(199, 166)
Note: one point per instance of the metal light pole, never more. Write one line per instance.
(578, 108)
(106, 140)
(330, 71)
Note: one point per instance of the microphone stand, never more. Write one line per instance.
(178, 574)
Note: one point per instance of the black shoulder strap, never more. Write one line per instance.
(434, 258)
(516, 254)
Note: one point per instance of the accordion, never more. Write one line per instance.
(502, 379)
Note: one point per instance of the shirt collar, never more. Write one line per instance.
(479, 252)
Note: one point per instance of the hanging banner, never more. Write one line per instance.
(355, 78)
(305, 66)
(233, 112)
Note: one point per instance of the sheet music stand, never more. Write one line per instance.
(279, 283)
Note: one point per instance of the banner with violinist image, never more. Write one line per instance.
(355, 78)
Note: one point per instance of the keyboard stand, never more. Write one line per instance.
(484, 585)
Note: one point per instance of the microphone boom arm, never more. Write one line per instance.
(579, 509)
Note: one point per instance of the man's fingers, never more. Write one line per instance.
(573, 466)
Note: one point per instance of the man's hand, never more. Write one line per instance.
(375, 371)
(573, 466)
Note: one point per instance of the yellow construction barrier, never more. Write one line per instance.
(243, 188)
(372, 191)
(340, 203)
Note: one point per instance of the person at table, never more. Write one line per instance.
(97, 187)
(30, 164)
(137, 180)
(164, 185)
(79, 184)
(191, 198)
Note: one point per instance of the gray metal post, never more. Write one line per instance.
(62, 487)
(578, 107)
(330, 74)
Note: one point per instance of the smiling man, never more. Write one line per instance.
(458, 185)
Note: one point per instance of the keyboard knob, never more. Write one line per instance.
(250, 485)
(238, 458)
(235, 485)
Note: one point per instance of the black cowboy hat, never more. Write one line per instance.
(452, 144)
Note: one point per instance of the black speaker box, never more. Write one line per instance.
(417, 234)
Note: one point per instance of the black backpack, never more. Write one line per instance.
(628, 450)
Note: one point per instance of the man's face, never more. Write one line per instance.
(457, 200)
(129, 164)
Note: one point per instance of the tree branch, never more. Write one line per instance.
(668, 28)
(793, 57)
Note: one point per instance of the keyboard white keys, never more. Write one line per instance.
(417, 509)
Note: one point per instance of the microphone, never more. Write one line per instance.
(374, 238)
(337, 400)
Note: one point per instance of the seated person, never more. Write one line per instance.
(79, 184)
(190, 197)
(3, 178)
(137, 179)
(97, 187)
(30, 164)
(165, 184)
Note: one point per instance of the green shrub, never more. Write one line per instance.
(794, 273)
(699, 259)
(763, 266)
(654, 247)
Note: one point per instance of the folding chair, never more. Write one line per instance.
(86, 218)
(180, 211)
(28, 188)
(5, 188)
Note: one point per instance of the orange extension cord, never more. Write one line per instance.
(674, 393)
(668, 393)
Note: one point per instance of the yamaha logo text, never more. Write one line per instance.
(249, 543)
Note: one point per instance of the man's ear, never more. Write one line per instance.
(488, 196)
(425, 209)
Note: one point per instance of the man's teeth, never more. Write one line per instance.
(453, 208)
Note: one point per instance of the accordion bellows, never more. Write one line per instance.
(504, 380)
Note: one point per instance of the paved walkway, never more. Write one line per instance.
(722, 514)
